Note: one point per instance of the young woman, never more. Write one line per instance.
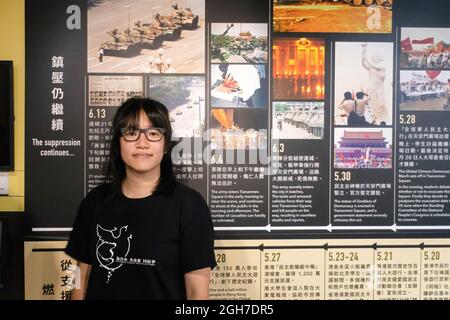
(143, 235)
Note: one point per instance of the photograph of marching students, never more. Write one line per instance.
(239, 86)
(113, 90)
(424, 90)
(362, 148)
(297, 120)
(184, 97)
(425, 48)
(298, 68)
(146, 36)
(337, 16)
(238, 129)
(239, 42)
(363, 84)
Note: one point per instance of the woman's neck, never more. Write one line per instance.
(137, 186)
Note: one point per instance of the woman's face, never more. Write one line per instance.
(142, 157)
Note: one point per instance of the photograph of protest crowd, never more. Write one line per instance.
(425, 48)
(424, 90)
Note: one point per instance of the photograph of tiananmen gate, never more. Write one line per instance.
(363, 149)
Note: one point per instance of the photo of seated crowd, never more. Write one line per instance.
(425, 48)
(424, 90)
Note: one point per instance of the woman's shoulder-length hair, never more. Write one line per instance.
(128, 116)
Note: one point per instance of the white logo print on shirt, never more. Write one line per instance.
(111, 244)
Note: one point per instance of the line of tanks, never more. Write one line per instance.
(150, 35)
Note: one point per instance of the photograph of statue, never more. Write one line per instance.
(363, 84)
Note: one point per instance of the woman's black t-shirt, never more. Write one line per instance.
(141, 248)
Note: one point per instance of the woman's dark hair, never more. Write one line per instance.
(128, 116)
(360, 95)
(348, 95)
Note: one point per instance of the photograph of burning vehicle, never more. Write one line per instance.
(424, 90)
(238, 86)
(425, 48)
(337, 16)
(363, 148)
(297, 120)
(298, 68)
(363, 84)
(239, 42)
(184, 97)
(146, 36)
(238, 129)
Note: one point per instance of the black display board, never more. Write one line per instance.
(256, 93)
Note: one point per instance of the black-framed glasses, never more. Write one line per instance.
(152, 134)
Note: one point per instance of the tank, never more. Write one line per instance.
(123, 45)
(185, 17)
(150, 37)
(166, 27)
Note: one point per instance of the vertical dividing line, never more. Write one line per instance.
(394, 122)
(207, 106)
(269, 107)
(260, 274)
(325, 274)
(84, 135)
(373, 273)
(420, 274)
(331, 135)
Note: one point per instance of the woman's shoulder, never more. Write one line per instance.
(185, 191)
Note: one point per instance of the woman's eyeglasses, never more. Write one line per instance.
(152, 134)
